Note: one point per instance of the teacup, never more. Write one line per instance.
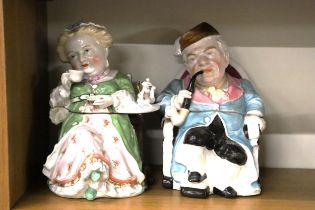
(76, 75)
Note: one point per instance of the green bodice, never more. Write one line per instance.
(120, 121)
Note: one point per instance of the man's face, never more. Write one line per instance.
(206, 55)
(84, 53)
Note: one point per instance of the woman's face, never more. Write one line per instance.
(206, 55)
(84, 53)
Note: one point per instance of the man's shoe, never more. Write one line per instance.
(195, 192)
(195, 176)
(167, 182)
(228, 192)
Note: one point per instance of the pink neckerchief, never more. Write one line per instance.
(97, 78)
(234, 91)
(93, 79)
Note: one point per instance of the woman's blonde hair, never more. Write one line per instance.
(100, 33)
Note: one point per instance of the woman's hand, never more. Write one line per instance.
(66, 81)
(103, 101)
(60, 95)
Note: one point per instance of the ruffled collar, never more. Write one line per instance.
(101, 77)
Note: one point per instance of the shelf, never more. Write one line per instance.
(269, 33)
(282, 189)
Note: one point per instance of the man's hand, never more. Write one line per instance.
(255, 124)
(179, 99)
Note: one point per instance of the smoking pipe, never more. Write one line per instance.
(178, 118)
(191, 88)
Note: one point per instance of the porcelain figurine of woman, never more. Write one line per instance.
(209, 152)
(97, 153)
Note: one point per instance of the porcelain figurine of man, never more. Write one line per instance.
(210, 153)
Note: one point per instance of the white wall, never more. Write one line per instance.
(272, 40)
(283, 76)
(243, 22)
